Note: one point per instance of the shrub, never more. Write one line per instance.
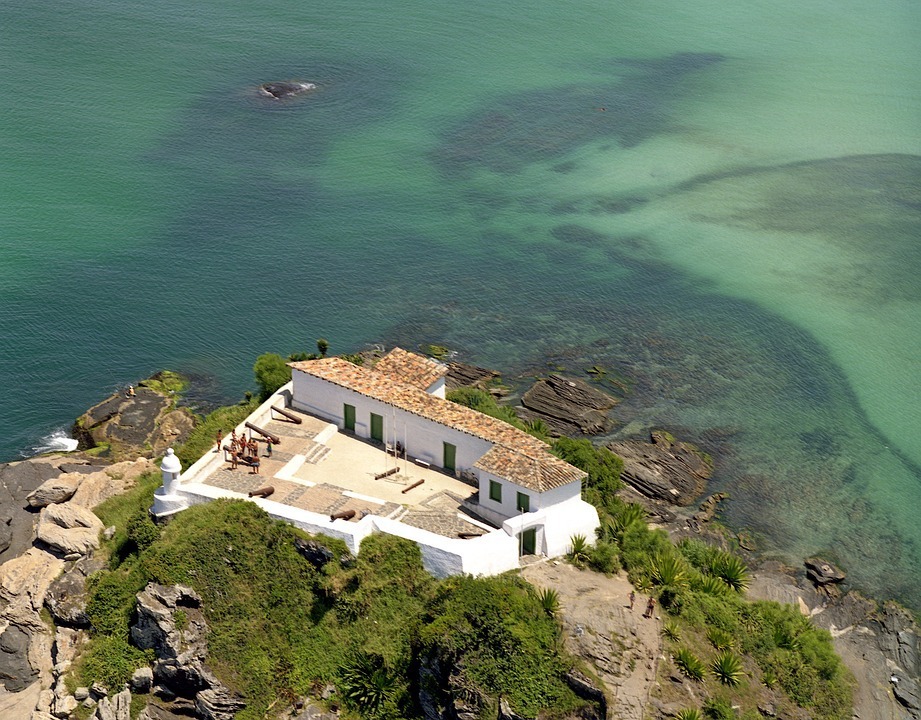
(689, 664)
(669, 570)
(719, 708)
(271, 373)
(141, 530)
(727, 668)
(720, 639)
(603, 557)
(603, 468)
(483, 402)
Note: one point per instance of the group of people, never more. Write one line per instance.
(650, 605)
(243, 449)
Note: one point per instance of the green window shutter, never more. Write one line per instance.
(495, 491)
(524, 503)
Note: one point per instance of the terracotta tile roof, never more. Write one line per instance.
(411, 368)
(517, 456)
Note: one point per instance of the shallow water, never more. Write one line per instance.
(719, 204)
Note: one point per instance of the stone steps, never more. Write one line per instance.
(316, 453)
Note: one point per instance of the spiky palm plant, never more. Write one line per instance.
(625, 517)
(669, 570)
(711, 585)
(689, 664)
(732, 571)
(549, 601)
(578, 550)
(727, 668)
(365, 683)
(538, 428)
(672, 630)
(689, 714)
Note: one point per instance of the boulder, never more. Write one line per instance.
(24, 582)
(142, 680)
(822, 572)
(15, 671)
(568, 406)
(665, 469)
(17, 480)
(118, 708)
(907, 692)
(55, 490)
(68, 528)
(314, 552)
(66, 597)
(113, 480)
(218, 703)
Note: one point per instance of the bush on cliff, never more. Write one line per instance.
(271, 372)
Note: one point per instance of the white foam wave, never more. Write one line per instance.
(58, 440)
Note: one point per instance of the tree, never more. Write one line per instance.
(322, 346)
(271, 373)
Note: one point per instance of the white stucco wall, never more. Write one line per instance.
(422, 438)
(509, 505)
(437, 388)
(556, 525)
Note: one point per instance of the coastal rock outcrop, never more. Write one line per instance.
(569, 406)
(69, 528)
(466, 375)
(181, 652)
(665, 469)
(56, 490)
(66, 597)
(139, 425)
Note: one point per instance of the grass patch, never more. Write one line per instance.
(202, 439)
(166, 382)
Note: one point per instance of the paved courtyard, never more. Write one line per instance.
(341, 472)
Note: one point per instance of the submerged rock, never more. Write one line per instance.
(665, 469)
(281, 90)
(568, 406)
(822, 572)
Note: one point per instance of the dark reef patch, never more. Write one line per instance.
(541, 125)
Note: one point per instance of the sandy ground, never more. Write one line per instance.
(623, 647)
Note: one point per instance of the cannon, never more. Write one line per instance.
(262, 492)
(342, 515)
(414, 485)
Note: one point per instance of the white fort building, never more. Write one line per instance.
(363, 450)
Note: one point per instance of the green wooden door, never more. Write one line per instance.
(377, 427)
(450, 456)
(349, 417)
(529, 541)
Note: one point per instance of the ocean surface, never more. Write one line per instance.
(720, 204)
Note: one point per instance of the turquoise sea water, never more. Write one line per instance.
(721, 204)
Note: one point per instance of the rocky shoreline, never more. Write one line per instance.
(48, 534)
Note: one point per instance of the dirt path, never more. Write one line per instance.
(622, 646)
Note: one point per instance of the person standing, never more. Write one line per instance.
(233, 458)
(220, 438)
(268, 447)
(650, 607)
(632, 598)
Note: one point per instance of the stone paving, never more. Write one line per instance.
(354, 466)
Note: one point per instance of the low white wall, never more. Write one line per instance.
(352, 533)
(488, 554)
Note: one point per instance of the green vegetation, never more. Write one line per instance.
(483, 402)
(689, 664)
(280, 628)
(271, 372)
(439, 352)
(202, 438)
(166, 382)
(727, 668)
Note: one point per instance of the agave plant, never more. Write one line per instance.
(578, 550)
(671, 630)
(727, 668)
(537, 428)
(711, 585)
(689, 714)
(731, 570)
(549, 601)
(669, 570)
(689, 664)
(365, 683)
